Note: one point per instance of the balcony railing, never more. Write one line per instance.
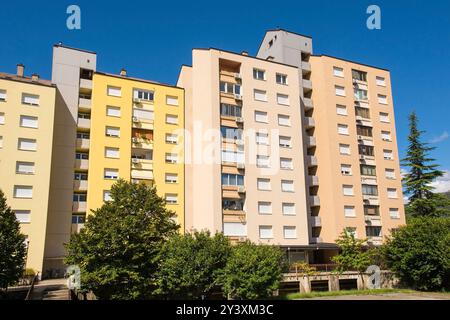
(80, 185)
(81, 164)
(314, 201)
(307, 84)
(84, 123)
(83, 143)
(311, 141)
(312, 161)
(309, 122)
(308, 103)
(315, 221)
(79, 206)
(313, 181)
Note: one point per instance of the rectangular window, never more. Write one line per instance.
(344, 149)
(171, 138)
(281, 78)
(288, 209)
(284, 120)
(234, 229)
(290, 232)
(2, 95)
(287, 185)
(2, 118)
(112, 174)
(343, 129)
(349, 212)
(23, 192)
(83, 135)
(112, 153)
(172, 100)
(283, 99)
(82, 115)
(259, 74)
(372, 232)
(285, 142)
(24, 167)
(390, 174)
(371, 210)
(264, 184)
(30, 99)
(346, 169)
(264, 207)
(23, 216)
(361, 94)
(369, 190)
(388, 155)
(286, 164)
(114, 91)
(27, 144)
(232, 179)
(265, 232)
(384, 117)
(171, 119)
(392, 193)
(340, 91)
(143, 114)
(394, 213)
(29, 122)
(262, 161)
(362, 112)
(233, 205)
(381, 82)
(229, 110)
(347, 190)
(171, 158)
(232, 156)
(261, 116)
(171, 198)
(366, 150)
(364, 131)
(81, 156)
(368, 170)
(260, 95)
(386, 136)
(338, 72)
(112, 132)
(145, 95)
(112, 111)
(262, 138)
(80, 176)
(231, 133)
(232, 88)
(359, 75)
(107, 195)
(171, 178)
(382, 99)
(341, 110)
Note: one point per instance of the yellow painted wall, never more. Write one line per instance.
(99, 120)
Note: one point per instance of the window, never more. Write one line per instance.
(172, 100)
(281, 78)
(264, 184)
(234, 229)
(340, 91)
(390, 174)
(287, 185)
(288, 209)
(145, 95)
(344, 149)
(143, 114)
(388, 155)
(362, 112)
(384, 117)
(232, 156)
(81, 156)
(82, 115)
(231, 133)
(341, 110)
(232, 179)
(171, 138)
(261, 116)
(359, 75)
(171, 119)
(260, 95)
(386, 136)
(351, 231)
(369, 190)
(347, 190)
(290, 232)
(171, 178)
(30, 99)
(264, 207)
(286, 164)
(371, 210)
(80, 176)
(282, 99)
(394, 213)
(2, 118)
(112, 153)
(338, 72)
(83, 135)
(171, 198)
(285, 142)
(265, 232)
(343, 129)
(262, 161)
(346, 169)
(27, 144)
(349, 212)
(366, 150)
(107, 196)
(2, 95)
(230, 88)
(361, 94)
(113, 111)
(24, 167)
(171, 158)
(368, 170)
(23, 192)
(381, 82)
(233, 205)
(262, 138)
(23, 216)
(112, 174)
(112, 132)
(382, 99)
(114, 91)
(372, 232)
(392, 193)
(259, 74)
(284, 120)
(229, 110)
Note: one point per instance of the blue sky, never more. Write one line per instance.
(151, 39)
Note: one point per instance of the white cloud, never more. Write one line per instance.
(444, 136)
(442, 184)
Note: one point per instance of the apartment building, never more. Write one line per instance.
(245, 174)
(137, 133)
(27, 114)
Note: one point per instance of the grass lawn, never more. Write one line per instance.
(295, 296)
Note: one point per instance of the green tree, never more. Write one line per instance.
(190, 265)
(422, 172)
(12, 246)
(253, 271)
(118, 249)
(419, 253)
(352, 255)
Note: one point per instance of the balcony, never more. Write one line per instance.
(79, 207)
(233, 192)
(141, 174)
(311, 142)
(365, 140)
(142, 143)
(316, 240)
(315, 221)
(80, 185)
(371, 200)
(372, 220)
(312, 161)
(308, 103)
(139, 123)
(313, 181)
(364, 121)
(369, 180)
(86, 84)
(307, 84)
(309, 122)
(369, 160)
(314, 201)
(83, 143)
(375, 241)
(84, 123)
(141, 164)
(76, 227)
(81, 164)
(234, 216)
(306, 66)
(84, 103)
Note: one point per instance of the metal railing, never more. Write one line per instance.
(33, 282)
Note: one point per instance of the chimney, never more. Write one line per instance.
(34, 77)
(244, 53)
(270, 58)
(20, 70)
(123, 72)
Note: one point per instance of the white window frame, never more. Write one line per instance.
(111, 174)
(262, 138)
(339, 108)
(288, 160)
(264, 208)
(172, 100)
(338, 72)
(171, 198)
(291, 211)
(113, 132)
(390, 174)
(392, 193)
(112, 152)
(24, 167)
(26, 121)
(381, 81)
(264, 184)
(113, 111)
(382, 99)
(396, 212)
(268, 232)
(171, 138)
(287, 186)
(172, 119)
(347, 147)
(30, 99)
(23, 192)
(23, 216)
(343, 129)
(348, 190)
(260, 95)
(283, 99)
(114, 91)
(261, 116)
(350, 211)
(283, 79)
(287, 235)
(340, 91)
(346, 169)
(285, 120)
(285, 141)
(257, 72)
(26, 140)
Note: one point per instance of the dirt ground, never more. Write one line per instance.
(391, 296)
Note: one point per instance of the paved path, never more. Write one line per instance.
(390, 296)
